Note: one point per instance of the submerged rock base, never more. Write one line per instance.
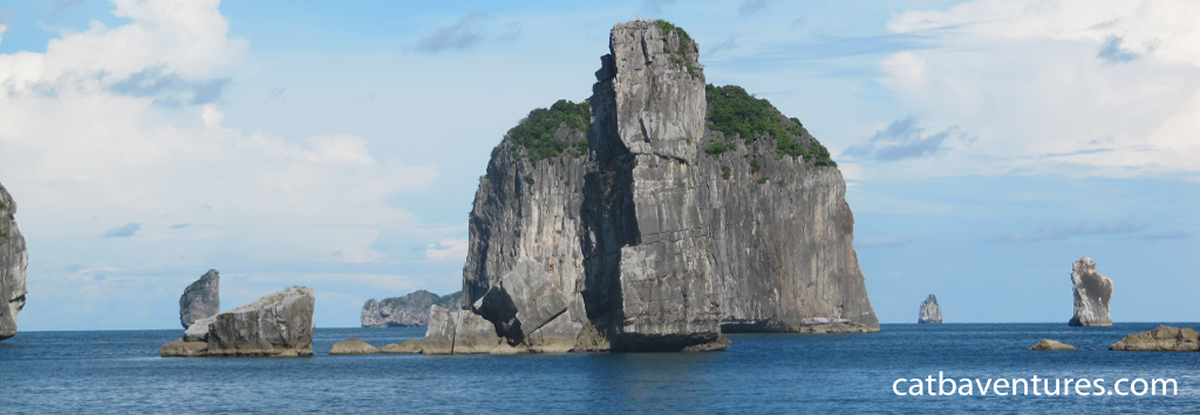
(1051, 345)
(1161, 339)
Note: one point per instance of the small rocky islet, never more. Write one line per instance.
(930, 312)
(277, 325)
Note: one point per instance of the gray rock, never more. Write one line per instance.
(1161, 339)
(410, 346)
(1092, 294)
(474, 335)
(352, 347)
(201, 299)
(522, 301)
(459, 332)
(198, 332)
(439, 336)
(13, 261)
(642, 234)
(279, 324)
(183, 348)
(931, 312)
(1051, 345)
(411, 310)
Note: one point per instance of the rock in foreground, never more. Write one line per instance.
(411, 310)
(278, 325)
(201, 300)
(13, 260)
(931, 312)
(353, 346)
(1161, 339)
(1051, 345)
(1092, 294)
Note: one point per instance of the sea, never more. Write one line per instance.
(120, 372)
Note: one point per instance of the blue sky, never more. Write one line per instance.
(986, 144)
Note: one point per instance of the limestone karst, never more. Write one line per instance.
(657, 215)
(1092, 293)
(201, 299)
(930, 311)
(13, 261)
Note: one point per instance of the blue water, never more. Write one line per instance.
(120, 372)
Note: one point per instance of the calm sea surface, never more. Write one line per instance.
(96, 372)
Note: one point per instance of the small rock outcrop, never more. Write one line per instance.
(353, 346)
(201, 299)
(411, 310)
(1051, 345)
(1092, 294)
(931, 312)
(13, 261)
(1161, 339)
(278, 325)
(410, 346)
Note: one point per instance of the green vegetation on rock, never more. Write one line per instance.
(725, 172)
(535, 133)
(679, 55)
(737, 114)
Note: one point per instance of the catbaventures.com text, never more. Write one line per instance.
(1034, 386)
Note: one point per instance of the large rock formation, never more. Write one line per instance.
(411, 310)
(931, 312)
(13, 260)
(1161, 339)
(201, 299)
(1092, 294)
(279, 324)
(652, 216)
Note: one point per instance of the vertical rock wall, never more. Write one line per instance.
(634, 239)
(13, 261)
(201, 299)
(1092, 293)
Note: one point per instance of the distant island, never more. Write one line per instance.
(411, 310)
(655, 216)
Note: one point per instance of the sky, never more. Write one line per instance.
(986, 144)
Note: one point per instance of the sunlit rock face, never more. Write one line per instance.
(13, 261)
(618, 230)
(201, 299)
(1092, 294)
(931, 312)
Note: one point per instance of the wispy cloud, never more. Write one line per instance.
(752, 7)
(462, 35)
(1110, 226)
(654, 7)
(883, 242)
(447, 249)
(1164, 236)
(902, 139)
(123, 231)
(1111, 51)
(62, 5)
(180, 225)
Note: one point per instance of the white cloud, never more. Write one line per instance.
(447, 249)
(1103, 88)
(120, 132)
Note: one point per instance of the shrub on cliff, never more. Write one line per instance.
(536, 132)
(736, 113)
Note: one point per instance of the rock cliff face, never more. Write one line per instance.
(1092, 294)
(278, 325)
(611, 225)
(411, 310)
(201, 300)
(931, 312)
(13, 260)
